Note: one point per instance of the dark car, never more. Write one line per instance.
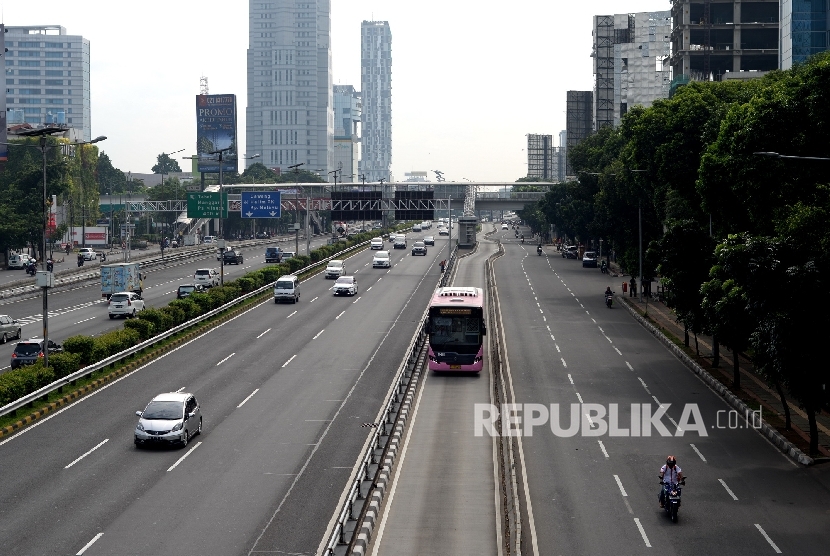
(30, 351)
(262, 235)
(273, 255)
(418, 248)
(429, 240)
(187, 289)
(232, 257)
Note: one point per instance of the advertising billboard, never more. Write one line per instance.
(216, 130)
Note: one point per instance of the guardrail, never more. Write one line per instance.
(89, 369)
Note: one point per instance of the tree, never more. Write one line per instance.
(110, 178)
(165, 165)
(259, 173)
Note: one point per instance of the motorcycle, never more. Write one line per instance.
(539, 250)
(671, 498)
(50, 264)
(609, 300)
(80, 260)
(31, 269)
(603, 267)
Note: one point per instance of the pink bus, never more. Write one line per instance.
(455, 324)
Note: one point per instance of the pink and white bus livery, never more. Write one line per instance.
(455, 324)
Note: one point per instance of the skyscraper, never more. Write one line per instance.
(290, 118)
(376, 88)
(347, 111)
(578, 121)
(804, 30)
(47, 77)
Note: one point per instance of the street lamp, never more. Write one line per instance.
(163, 172)
(296, 168)
(246, 165)
(792, 157)
(221, 240)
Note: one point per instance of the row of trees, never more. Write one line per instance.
(741, 239)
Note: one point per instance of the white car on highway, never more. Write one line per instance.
(335, 269)
(206, 277)
(88, 253)
(377, 243)
(345, 285)
(125, 304)
(381, 260)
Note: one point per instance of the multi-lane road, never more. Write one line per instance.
(287, 391)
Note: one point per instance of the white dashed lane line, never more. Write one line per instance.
(263, 334)
(87, 453)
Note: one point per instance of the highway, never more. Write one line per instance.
(79, 309)
(285, 392)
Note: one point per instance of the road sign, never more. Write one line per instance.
(263, 204)
(206, 204)
(194, 187)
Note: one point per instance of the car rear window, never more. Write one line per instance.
(27, 349)
(202, 272)
(119, 297)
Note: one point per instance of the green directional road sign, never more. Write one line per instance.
(206, 204)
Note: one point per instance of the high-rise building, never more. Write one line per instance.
(376, 89)
(290, 118)
(804, 30)
(710, 39)
(541, 156)
(578, 120)
(347, 114)
(47, 78)
(631, 63)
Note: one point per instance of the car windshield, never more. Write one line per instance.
(119, 297)
(345, 280)
(163, 410)
(186, 289)
(382, 256)
(27, 350)
(419, 244)
(335, 264)
(284, 285)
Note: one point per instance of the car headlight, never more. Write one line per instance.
(139, 427)
(178, 427)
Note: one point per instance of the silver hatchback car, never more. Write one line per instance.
(172, 418)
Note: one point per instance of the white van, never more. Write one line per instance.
(287, 288)
(209, 239)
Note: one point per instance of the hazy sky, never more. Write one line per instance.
(469, 79)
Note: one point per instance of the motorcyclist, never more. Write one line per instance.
(80, 259)
(32, 267)
(669, 473)
(50, 264)
(604, 266)
(608, 291)
(539, 248)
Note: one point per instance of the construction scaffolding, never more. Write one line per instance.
(540, 157)
(604, 70)
(578, 120)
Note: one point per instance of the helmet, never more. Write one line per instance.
(671, 461)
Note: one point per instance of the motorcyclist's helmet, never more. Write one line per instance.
(671, 461)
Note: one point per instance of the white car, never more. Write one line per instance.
(88, 253)
(505, 227)
(335, 269)
(345, 285)
(125, 304)
(416, 228)
(206, 277)
(381, 260)
(377, 243)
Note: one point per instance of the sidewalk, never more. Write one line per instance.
(753, 391)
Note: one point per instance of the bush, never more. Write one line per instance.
(82, 345)
(190, 308)
(247, 283)
(305, 260)
(295, 264)
(143, 327)
(161, 321)
(177, 315)
(114, 342)
(270, 274)
(203, 301)
(222, 295)
(15, 384)
(64, 364)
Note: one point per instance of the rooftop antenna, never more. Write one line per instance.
(203, 86)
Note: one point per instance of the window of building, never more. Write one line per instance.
(54, 101)
(28, 54)
(54, 72)
(29, 63)
(28, 44)
(53, 64)
(28, 100)
(28, 72)
(31, 110)
(30, 92)
(54, 91)
(54, 54)
(53, 45)
(54, 82)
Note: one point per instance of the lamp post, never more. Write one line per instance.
(221, 153)
(246, 165)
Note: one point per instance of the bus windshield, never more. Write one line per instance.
(455, 332)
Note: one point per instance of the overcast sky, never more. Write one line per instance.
(469, 79)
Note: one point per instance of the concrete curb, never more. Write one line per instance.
(364, 533)
(772, 435)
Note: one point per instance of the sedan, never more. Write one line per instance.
(589, 259)
(345, 285)
(9, 328)
(418, 248)
(429, 240)
(125, 304)
(381, 260)
(172, 418)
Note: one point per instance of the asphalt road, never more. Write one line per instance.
(598, 494)
(79, 308)
(443, 497)
(285, 391)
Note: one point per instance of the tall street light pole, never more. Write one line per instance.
(296, 168)
(221, 153)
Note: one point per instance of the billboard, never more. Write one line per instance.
(216, 130)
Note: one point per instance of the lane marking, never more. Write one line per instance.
(618, 351)
(655, 399)
(769, 540)
(642, 532)
(90, 543)
(602, 447)
(570, 378)
(369, 288)
(732, 494)
(263, 334)
(552, 338)
(630, 368)
(557, 346)
(313, 300)
(251, 395)
(594, 321)
(580, 399)
(619, 484)
(291, 315)
(698, 452)
(226, 358)
(563, 362)
(675, 424)
(355, 301)
(318, 334)
(289, 361)
(180, 389)
(601, 330)
(340, 315)
(87, 453)
(181, 459)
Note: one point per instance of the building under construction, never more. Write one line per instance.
(712, 38)
(578, 120)
(631, 63)
(543, 159)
